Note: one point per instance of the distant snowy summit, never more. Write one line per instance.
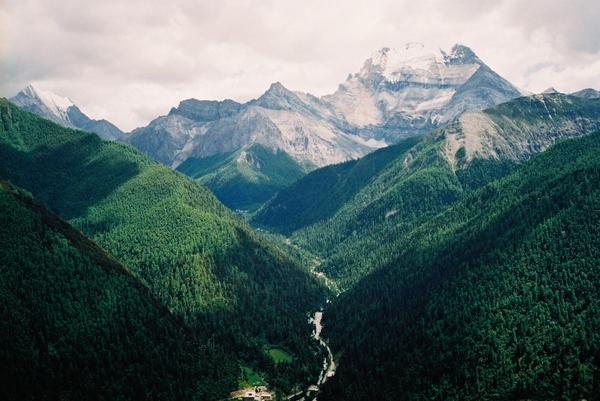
(397, 93)
(44, 103)
(418, 64)
(63, 111)
(550, 91)
(413, 89)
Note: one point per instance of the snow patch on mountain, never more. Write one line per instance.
(413, 89)
(416, 63)
(396, 94)
(58, 105)
(63, 111)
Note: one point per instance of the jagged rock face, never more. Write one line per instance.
(279, 119)
(249, 126)
(405, 92)
(397, 93)
(206, 110)
(166, 137)
(516, 130)
(63, 111)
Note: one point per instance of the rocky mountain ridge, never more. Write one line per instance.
(63, 111)
(397, 94)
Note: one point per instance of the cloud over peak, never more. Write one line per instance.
(130, 61)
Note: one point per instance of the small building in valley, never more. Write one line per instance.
(257, 394)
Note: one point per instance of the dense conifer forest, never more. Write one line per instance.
(352, 215)
(496, 297)
(200, 260)
(465, 264)
(247, 178)
(76, 322)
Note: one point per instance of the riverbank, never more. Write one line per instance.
(329, 366)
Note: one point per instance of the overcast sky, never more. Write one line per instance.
(130, 61)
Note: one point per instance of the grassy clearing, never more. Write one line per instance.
(279, 355)
(250, 378)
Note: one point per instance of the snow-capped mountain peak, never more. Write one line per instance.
(390, 62)
(398, 93)
(550, 91)
(62, 110)
(415, 62)
(414, 88)
(461, 54)
(57, 105)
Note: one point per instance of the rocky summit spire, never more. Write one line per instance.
(414, 88)
(461, 54)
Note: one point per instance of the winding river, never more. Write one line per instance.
(328, 370)
(328, 364)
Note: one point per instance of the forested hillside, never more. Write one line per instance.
(318, 196)
(495, 298)
(196, 257)
(246, 178)
(356, 226)
(76, 324)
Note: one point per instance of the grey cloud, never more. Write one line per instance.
(571, 25)
(129, 61)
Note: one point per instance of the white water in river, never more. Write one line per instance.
(328, 369)
(328, 363)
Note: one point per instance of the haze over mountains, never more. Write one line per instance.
(441, 224)
(283, 134)
(397, 94)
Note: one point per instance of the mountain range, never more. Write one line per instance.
(447, 248)
(427, 232)
(236, 293)
(428, 240)
(398, 93)
(339, 212)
